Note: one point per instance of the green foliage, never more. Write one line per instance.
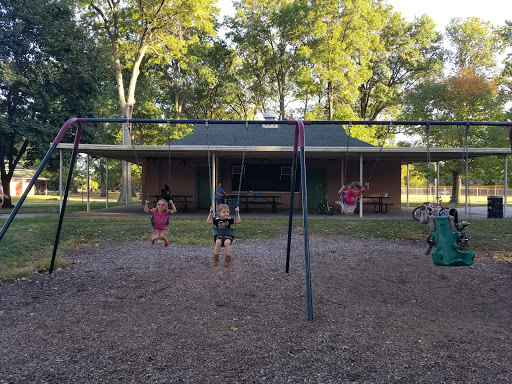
(475, 44)
(409, 53)
(46, 76)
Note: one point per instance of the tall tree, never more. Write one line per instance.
(46, 76)
(474, 44)
(344, 40)
(410, 53)
(133, 27)
(463, 97)
(268, 35)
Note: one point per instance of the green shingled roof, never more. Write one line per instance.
(331, 135)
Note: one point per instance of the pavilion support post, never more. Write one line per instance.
(362, 183)
(106, 182)
(437, 179)
(505, 192)
(407, 185)
(61, 170)
(88, 187)
(214, 178)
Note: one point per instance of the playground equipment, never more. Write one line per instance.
(446, 238)
(442, 238)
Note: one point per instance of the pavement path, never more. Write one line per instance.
(137, 211)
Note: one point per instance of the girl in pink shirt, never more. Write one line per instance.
(160, 219)
(351, 196)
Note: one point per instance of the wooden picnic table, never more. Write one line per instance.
(378, 202)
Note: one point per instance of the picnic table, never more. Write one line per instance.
(378, 203)
(247, 200)
(182, 200)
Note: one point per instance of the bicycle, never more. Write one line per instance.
(422, 212)
(463, 242)
(324, 206)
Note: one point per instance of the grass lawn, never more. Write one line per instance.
(77, 202)
(27, 245)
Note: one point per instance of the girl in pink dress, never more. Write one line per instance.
(160, 219)
(351, 196)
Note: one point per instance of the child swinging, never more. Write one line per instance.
(350, 197)
(223, 236)
(160, 219)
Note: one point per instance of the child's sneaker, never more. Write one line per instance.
(166, 244)
(153, 241)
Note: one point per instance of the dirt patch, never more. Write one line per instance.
(136, 313)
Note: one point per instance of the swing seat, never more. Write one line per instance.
(224, 232)
(445, 241)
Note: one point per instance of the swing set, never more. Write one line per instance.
(298, 157)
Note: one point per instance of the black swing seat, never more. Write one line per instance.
(224, 232)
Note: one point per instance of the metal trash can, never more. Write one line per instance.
(232, 204)
(495, 207)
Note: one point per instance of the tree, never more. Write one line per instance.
(132, 28)
(268, 35)
(411, 53)
(475, 44)
(463, 97)
(46, 76)
(506, 74)
(343, 42)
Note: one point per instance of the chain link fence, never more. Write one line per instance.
(476, 193)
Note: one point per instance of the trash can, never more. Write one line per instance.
(232, 204)
(495, 207)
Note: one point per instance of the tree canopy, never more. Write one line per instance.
(325, 59)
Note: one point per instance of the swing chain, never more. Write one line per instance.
(346, 154)
(380, 151)
(429, 159)
(169, 153)
(242, 170)
(128, 187)
(466, 160)
(209, 162)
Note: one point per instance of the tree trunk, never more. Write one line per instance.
(6, 188)
(330, 100)
(126, 167)
(455, 187)
(103, 185)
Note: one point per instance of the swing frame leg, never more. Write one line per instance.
(66, 193)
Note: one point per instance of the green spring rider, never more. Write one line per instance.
(444, 238)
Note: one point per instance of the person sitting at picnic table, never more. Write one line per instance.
(166, 193)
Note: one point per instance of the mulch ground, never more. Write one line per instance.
(137, 313)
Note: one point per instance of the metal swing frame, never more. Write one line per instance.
(298, 147)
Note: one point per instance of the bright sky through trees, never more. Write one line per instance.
(495, 11)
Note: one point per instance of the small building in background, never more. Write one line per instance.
(20, 180)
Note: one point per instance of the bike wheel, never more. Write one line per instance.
(416, 213)
(321, 209)
(330, 210)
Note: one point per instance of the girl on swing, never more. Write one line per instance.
(222, 220)
(160, 219)
(350, 196)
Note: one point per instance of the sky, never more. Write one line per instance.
(494, 11)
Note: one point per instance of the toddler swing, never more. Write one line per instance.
(446, 235)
